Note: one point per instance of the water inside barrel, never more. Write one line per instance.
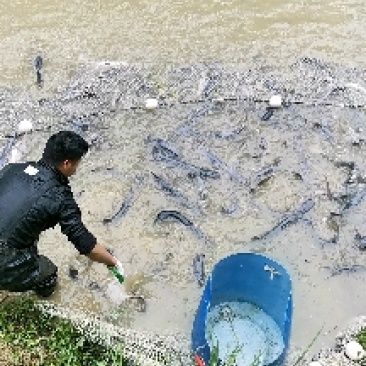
(244, 329)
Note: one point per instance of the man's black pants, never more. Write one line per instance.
(47, 280)
(24, 270)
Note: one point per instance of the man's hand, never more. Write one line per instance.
(101, 255)
(119, 267)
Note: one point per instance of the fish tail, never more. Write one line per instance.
(39, 77)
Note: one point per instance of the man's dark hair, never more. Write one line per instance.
(64, 145)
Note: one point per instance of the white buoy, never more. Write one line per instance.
(275, 101)
(315, 363)
(354, 351)
(151, 103)
(25, 126)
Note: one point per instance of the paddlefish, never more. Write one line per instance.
(202, 172)
(262, 176)
(163, 151)
(354, 200)
(360, 241)
(202, 190)
(193, 118)
(171, 191)
(324, 128)
(218, 164)
(289, 219)
(214, 77)
(229, 134)
(38, 63)
(231, 208)
(175, 216)
(127, 202)
(348, 268)
(268, 114)
(199, 269)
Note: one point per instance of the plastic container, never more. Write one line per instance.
(256, 291)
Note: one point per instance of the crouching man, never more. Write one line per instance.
(35, 196)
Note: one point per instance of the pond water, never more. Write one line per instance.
(165, 33)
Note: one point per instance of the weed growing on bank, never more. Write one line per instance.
(34, 338)
(361, 338)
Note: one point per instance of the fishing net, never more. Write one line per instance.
(230, 99)
(142, 348)
(196, 101)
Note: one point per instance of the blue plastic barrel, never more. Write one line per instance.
(245, 278)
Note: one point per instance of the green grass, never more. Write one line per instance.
(33, 337)
(231, 358)
(361, 338)
(42, 339)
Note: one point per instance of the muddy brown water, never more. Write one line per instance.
(164, 33)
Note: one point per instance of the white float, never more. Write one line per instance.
(315, 363)
(151, 103)
(354, 351)
(275, 101)
(25, 126)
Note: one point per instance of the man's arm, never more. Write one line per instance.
(84, 241)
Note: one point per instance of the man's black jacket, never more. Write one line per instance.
(55, 206)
